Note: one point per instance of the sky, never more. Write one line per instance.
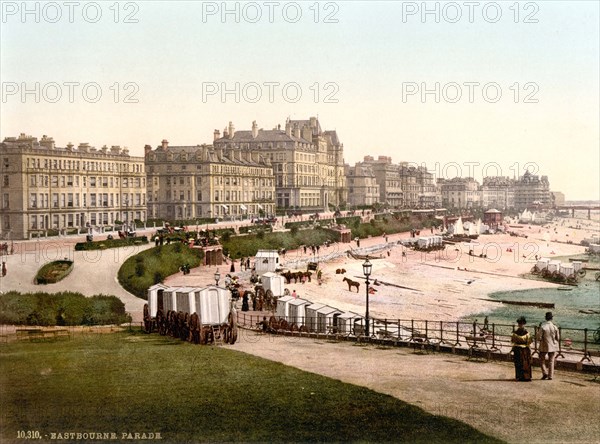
(463, 88)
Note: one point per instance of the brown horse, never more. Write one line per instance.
(351, 284)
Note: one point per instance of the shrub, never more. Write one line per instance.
(64, 308)
(111, 243)
(156, 266)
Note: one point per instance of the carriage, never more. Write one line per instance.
(198, 315)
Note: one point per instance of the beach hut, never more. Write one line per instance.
(297, 310)
(311, 315)
(155, 298)
(567, 269)
(170, 299)
(594, 248)
(327, 317)
(577, 266)
(213, 305)
(274, 282)
(266, 260)
(283, 307)
(347, 321)
(542, 263)
(185, 299)
(553, 266)
(423, 242)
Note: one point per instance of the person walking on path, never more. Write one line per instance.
(521, 353)
(549, 338)
(3, 269)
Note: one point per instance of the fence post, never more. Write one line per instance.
(494, 338)
(457, 335)
(586, 353)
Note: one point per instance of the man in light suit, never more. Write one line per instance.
(549, 339)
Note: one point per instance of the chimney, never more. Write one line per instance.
(216, 135)
(254, 130)
(165, 144)
(47, 142)
(296, 131)
(115, 149)
(225, 133)
(147, 149)
(231, 130)
(104, 149)
(70, 146)
(288, 128)
(83, 147)
(313, 122)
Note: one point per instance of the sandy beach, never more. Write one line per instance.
(444, 285)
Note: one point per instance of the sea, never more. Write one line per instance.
(568, 304)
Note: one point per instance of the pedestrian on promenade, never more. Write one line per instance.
(521, 352)
(549, 338)
(3, 269)
(294, 295)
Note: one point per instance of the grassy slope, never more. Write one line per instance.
(131, 382)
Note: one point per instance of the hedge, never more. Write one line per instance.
(110, 243)
(64, 308)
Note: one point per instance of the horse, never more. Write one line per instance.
(340, 271)
(351, 284)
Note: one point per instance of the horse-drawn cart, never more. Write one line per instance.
(198, 315)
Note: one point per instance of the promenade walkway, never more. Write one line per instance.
(482, 394)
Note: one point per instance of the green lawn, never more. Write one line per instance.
(131, 382)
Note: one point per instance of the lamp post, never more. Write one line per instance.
(217, 277)
(367, 267)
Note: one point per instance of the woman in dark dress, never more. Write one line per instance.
(521, 352)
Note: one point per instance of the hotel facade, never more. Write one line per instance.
(307, 162)
(188, 182)
(46, 188)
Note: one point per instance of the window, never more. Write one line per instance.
(5, 181)
(92, 181)
(33, 200)
(5, 200)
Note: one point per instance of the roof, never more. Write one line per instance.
(267, 253)
(265, 136)
(328, 310)
(299, 301)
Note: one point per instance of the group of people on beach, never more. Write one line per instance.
(548, 337)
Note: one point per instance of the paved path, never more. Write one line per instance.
(95, 272)
(482, 394)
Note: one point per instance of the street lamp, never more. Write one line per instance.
(217, 277)
(367, 267)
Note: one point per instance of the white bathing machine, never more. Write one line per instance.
(283, 308)
(297, 311)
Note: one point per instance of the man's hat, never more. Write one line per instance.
(548, 315)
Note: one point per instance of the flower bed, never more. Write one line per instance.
(53, 272)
